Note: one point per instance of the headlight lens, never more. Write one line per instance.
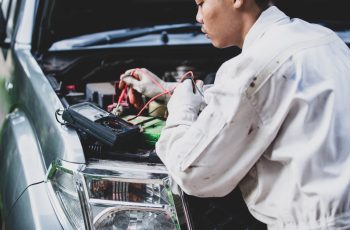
(96, 196)
(134, 220)
(128, 191)
(65, 190)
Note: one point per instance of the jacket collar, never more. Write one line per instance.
(270, 16)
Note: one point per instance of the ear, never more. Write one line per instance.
(238, 3)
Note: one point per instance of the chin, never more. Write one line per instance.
(220, 45)
(217, 44)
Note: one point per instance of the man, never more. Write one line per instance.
(276, 122)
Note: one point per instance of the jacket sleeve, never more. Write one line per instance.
(209, 156)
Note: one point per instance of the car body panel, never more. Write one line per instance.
(18, 147)
(6, 73)
(33, 210)
(30, 84)
(31, 138)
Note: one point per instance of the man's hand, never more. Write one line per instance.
(184, 105)
(146, 83)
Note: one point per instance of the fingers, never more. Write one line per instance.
(129, 74)
(121, 85)
(129, 80)
(186, 84)
(132, 82)
(135, 99)
(136, 73)
(189, 86)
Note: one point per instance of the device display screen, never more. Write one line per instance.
(90, 112)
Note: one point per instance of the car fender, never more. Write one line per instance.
(21, 162)
(34, 210)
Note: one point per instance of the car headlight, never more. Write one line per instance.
(97, 196)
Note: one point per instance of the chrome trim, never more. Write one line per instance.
(124, 203)
(186, 211)
(126, 178)
(84, 199)
(118, 209)
(125, 166)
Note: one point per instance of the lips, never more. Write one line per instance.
(204, 32)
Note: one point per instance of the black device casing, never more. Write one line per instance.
(109, 130)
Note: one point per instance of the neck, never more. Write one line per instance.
(249, 18)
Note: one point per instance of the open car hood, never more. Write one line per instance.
(62, 19)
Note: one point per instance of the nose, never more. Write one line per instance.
(199, 17)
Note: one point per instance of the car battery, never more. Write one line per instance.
(150, 127)
(100, 93)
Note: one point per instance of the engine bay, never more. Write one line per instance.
(92, 76)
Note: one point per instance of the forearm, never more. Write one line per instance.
(197, 153)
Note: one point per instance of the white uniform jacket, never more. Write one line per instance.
(277, 123)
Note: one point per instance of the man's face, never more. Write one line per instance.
(220, 21)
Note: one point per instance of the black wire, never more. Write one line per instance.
(59, 113)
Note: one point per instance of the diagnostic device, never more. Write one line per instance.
(100, 124)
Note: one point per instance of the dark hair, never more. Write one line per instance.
(263, 4)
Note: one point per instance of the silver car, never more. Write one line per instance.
(60, 55)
